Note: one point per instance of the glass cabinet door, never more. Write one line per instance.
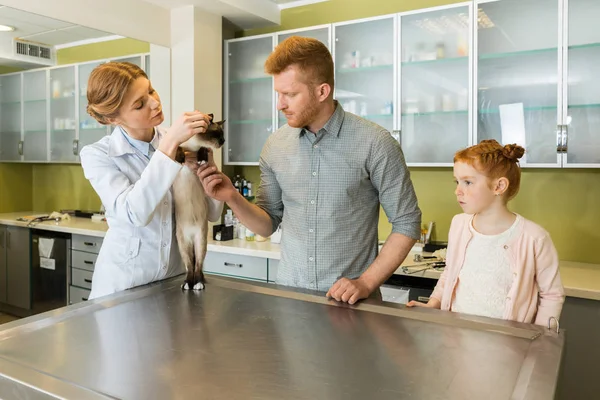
(90, 130)
(319, 33)
(249, 99)
(583, 84)
(364, 69)
(517, 96)
(10, 117)
(435, 84)
(147, 65)
(35, 115)
(63, 129)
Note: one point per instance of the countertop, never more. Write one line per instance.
(76, 225)
(579, 279)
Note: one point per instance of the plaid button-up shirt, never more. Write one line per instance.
(326, 189)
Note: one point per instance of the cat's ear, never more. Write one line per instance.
(221, 123)
(212, 117)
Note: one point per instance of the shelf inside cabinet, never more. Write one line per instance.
(364, 69)
(584, 46)
(453, 112)
(250, 121)
(490, 56)
(533, 108)
(250, 80)
(436, 61)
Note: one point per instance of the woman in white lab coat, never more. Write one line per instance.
(132, 171)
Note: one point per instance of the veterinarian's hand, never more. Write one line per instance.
(349, 290)
(216, 184)
(188, 125)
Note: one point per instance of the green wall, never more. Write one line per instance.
(563, 201)
(8, 70)
(96, 51)
(16, 185)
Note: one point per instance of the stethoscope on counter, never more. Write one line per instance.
(37, 220)
(436, 265)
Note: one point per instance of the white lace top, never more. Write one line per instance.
(485, 277)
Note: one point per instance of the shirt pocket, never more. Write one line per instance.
(129, 250)
(340, 188)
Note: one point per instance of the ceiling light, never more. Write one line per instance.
(6, 28)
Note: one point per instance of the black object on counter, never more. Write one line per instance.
(222, 232)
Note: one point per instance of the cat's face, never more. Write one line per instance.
(214, 137)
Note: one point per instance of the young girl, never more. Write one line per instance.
(498, 263)
(132, 171)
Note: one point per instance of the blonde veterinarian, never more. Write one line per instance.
(132, 170)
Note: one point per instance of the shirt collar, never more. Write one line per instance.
(334, 124)
(122, 143)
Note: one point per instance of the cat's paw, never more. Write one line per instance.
(187, 285)
(199, 286)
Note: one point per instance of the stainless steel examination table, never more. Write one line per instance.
(245, 340)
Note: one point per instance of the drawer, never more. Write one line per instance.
(81, 278)
(77, 295)
(83, 260)
(273, 267)
(236, 266)
(88, 244)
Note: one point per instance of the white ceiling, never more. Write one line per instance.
(246, 14)
(42, 29)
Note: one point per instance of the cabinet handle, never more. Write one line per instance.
(75, 147)
(233, 265)
(87, 280)
(89, 244)
(565, 138)
(20, 147)
(422, 298)
(8, 239)
(84, 298)
(559, 139)
(88, 262)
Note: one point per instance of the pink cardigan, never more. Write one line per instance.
(536, 293)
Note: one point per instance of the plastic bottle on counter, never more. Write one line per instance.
(229, 218)
(249, 235)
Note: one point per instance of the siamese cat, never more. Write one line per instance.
(191, 204)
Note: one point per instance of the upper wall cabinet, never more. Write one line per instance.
(580, 106)
(249, 116)
(43, 115)
(518, 77)
(34, 146)
(11, 146)
(365, 74)
(441, 79)
(435, 83)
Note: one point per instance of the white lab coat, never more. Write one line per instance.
(140, 245)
